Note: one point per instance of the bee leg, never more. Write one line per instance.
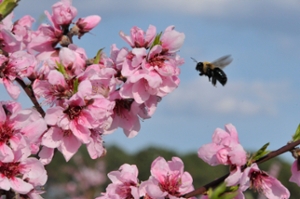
(214, 80)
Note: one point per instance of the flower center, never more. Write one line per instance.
(6, 132)
(125, 190)
(171, 184)
(157, 61)
(73, 111)
(122, 105)
(9, 169)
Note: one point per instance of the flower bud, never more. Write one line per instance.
(87, 24)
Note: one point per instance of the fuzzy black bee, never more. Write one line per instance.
(213, 70)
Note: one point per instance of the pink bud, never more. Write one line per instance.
(87, 24)
(63, 12)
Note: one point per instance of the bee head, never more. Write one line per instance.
(199, 66)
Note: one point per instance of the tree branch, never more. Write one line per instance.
(215, 183)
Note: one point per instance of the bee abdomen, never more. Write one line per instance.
(220, 76)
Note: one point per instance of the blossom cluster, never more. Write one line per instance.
(87, 98)
(226, 149)
(20, 131)
(91, 97)
(168, 180)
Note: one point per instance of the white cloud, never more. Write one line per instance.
(237, 97)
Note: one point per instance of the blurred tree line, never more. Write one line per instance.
(83, 178)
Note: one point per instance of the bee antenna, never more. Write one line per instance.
(194, 60)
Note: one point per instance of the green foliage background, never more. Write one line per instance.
(200, 171)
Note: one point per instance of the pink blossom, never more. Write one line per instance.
(167, 180)
(133, 61)
(141, 86)
(125, 115)
(102, 79)
(31, 125)
(124, 183)
(295, 173)
(54, 89)
(19, 64)
(45, 38)
(19, 129)
(87, 24)
(22, 174)
(138, 38)
(172, 40)
(9, 42)
(261, 181)
(166, 67)
(72, 62)
(81, 114)
(117, 57)
(63, 140)
(225, 148)
(22, 29)
(63, 12)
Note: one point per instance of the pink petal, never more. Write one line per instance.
(33, 170)
(150, 34)
(69, 146)
(140, 94)
(53, 115)
(13, 90)
(52, 138)
(2, 115)
(81, 132)
(155, 192)
(233, 132)
(20, 186)
(46, 155)
(208, 153)
(295, 174)
(95, 147)
(6, 154)
(56, 78)
(4, 183)
(276, 190)
(234, 177)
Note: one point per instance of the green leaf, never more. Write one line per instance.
(75, 85)
(61, 68)
(6, 7)
(98, 56)
(156, 40)
(260, 153)
(296, 136)
(222, 192)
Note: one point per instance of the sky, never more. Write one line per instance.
(261, 97)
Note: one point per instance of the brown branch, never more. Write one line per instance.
(31, 95)
(203, 189)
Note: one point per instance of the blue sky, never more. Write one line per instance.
(261, 97)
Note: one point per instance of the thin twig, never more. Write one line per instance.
(31, 95)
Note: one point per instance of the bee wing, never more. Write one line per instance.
(222, 61)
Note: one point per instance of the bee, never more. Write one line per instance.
(213, 70)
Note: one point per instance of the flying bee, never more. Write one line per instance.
(213, 70)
